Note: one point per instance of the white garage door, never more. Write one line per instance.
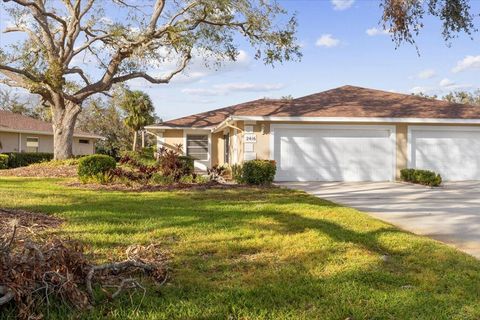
(333, 153)
(454, 152)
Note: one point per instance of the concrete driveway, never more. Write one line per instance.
(450, 213)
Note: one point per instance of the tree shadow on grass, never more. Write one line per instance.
(224, 266)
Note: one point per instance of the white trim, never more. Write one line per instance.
(160, 140)
(356, 119)
(391, 128)
(235, 146)
(410, 162)
(178, 128)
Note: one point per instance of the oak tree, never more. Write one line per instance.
(405, 18)
(135, 41)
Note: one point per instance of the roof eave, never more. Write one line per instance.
(358, 119)
(161, 127)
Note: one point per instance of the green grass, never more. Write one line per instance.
(260, 254)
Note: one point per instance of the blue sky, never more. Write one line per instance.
(337, 50)
(342, 43)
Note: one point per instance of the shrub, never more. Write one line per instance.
(258, 172)
(237, 170)
(23, 159)
(218, 172)
(158, 178)
(174, 165)
(187, 165)
(3, 161)
(96, 167)
(423, 177)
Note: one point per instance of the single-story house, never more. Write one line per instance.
(19, 133)
(344, 134)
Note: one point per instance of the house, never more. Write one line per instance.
(344, 134)
(19, 133)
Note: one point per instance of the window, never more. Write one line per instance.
(32, 144)
(84, 141)
(197, 146)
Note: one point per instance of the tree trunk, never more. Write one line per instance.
(134, 147)
(64, 117)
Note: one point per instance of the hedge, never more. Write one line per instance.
(3, 161)
(23, 159)
(256, 172)
(96, 167)
(423, 177)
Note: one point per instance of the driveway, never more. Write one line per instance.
(450, 213)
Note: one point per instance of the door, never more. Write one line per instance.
(334, 153)
(454, 152)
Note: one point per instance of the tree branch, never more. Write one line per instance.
(78, 71)
(165, 79)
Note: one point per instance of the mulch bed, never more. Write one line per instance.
(32, 220)
(41, 171)
(152, 188)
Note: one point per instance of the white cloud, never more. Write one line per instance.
(420, 89)
(328, 41)
(377, 32)
(445, 86)
(446, 83)
(223, 89)
(342, 4)
(468, 63)
(426, 74)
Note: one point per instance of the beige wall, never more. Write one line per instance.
(17, 142)
(217, 144)
(402, 148)
(9, 142)
(83, 148)
(173, 138)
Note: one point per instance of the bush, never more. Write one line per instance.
(96, 167)
(23, 159)
(237, 170)
(158, 178)
(258, 172)
(218, 172)
(3, 161)
(423, 177)
(174, 165)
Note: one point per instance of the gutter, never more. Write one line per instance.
(47, 133)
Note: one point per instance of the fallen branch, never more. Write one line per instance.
(33, 270)
(5, 295)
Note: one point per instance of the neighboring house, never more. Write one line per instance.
(343, 134)
(20, 133)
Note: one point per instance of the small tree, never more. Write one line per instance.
(150, 40)
(139, 112)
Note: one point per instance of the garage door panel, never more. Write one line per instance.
(454, 153)
(329, 154)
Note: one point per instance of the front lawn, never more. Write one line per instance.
(260, 254)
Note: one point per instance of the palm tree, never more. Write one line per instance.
(139, 112)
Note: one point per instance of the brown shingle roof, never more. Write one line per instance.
(20, 123)
(346, 101)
